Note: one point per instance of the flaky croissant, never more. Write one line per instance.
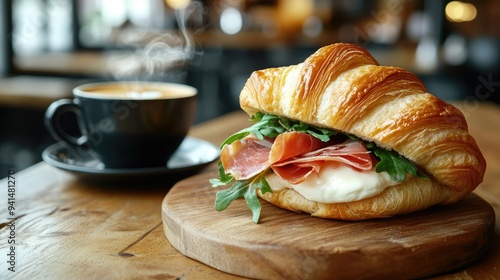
(342, 87)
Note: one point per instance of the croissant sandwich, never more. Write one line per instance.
(340, 137)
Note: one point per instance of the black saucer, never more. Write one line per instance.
(193, 155)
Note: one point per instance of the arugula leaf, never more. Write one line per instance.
(257, 117)
(246, 189)
(268, 125)
(253, 203)
(264, 127)
(323, 134)
(225, 197)
(224, 178)
(394, 164)
(263, 185)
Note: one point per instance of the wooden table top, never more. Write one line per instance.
(66, 228)
(35, 92)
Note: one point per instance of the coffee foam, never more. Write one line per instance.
(135, 91)
(145, 95)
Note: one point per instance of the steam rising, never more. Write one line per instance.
(164, 53)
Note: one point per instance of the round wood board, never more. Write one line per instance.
(289, 245)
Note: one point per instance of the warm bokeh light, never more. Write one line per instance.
(457, 11)
(178, 4)
(293, 13)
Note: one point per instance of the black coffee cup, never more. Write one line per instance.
(126, 124)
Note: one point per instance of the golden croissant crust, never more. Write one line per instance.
(342, 87)
(411, 195)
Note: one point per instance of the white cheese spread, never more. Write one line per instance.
(337, 183)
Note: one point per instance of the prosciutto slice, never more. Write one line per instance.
(250, 156)
(292, 155)
(290, 144)
(351, 152)
(246, 158)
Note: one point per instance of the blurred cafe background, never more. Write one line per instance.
(49, 46)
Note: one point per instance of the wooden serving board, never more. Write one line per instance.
(288, 245)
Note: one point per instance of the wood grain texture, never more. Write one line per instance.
(289, 245)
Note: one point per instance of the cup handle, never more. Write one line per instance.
(53, 116)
